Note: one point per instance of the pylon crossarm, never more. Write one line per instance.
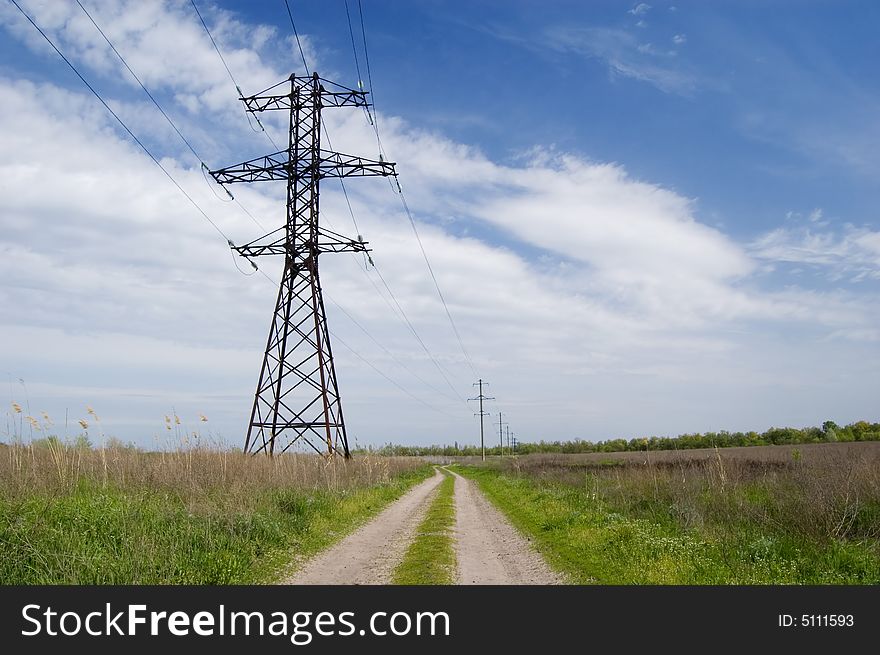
(337, 164)
(280, 248)
(348, 98)
(278, 166)
(330, 241)
(336, 96)
(268, 167)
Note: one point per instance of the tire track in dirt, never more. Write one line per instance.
(369, 555)
(488, 548)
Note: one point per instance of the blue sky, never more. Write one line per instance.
(648, 218)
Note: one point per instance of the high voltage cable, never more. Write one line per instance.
(336, 337)
(436, 284)
(162, 111)
(404, 202)
(342, 182)
(374, 340)
(345, 192)
(368, 363)
(357, 64)
(181, 189)
(415, 333)
(138, 80)
(120, 121)
(405, 318)
(351, 210)
(353, 48)
(373, 120)
(231, 76)
(296, 34)
(402, 316)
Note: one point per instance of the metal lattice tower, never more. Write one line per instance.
(297, 394)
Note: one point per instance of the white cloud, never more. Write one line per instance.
(679, 39)
(578, 290)
(640, 9)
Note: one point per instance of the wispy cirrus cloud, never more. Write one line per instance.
(624, 55)
(849, 253)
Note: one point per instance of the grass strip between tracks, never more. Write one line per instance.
(430, 559)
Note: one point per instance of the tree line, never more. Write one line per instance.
(828, 432)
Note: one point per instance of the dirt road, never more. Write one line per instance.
(488, 549)
(370, 554)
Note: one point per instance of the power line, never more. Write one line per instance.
(388, 352)
(231, 76)
(138, 80)
(357, 64)
(345, 191)
(214, 43)
(161, 111)
(391, 293)
(339, 339)
(400, 314)
(296, 34)
(121, 122)
(412, 222)
(368, 363)
(403, 201)
(415, 333)
(380, 345)
(353, 48)
(176, 184)
(374, 121)
(342, 182)
(351, 211)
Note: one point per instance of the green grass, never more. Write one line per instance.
(96, 534)
(430, 559)
(595, 542)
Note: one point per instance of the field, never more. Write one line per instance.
(75, 515)
(804, 514)
(807, 514)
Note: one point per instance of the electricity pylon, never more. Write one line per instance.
(481, 414)
(501, 434)
(297, 394)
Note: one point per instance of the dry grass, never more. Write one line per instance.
(191, 473)
(120, 515)
(817, 491)
(806, 514)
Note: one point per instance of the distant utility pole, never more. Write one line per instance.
(501, 434)
(479, 383)
(507, 430)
